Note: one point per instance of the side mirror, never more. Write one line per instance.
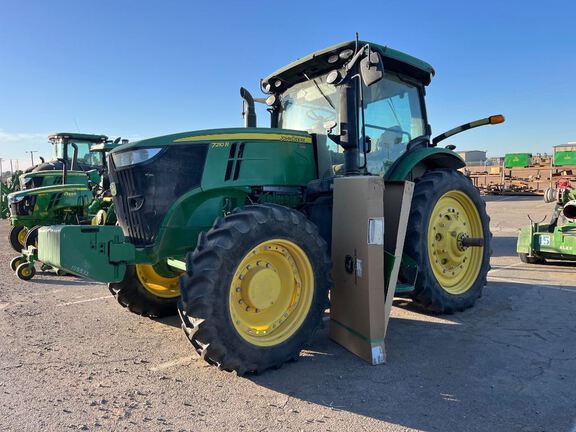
(371, 68)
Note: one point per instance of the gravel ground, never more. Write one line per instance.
(72, 359)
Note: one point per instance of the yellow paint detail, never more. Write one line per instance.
(22, 236)
(160, 286)
(247, 136)
(99, 218)
(453, 218)
(271, 292)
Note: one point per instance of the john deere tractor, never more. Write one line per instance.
(237, 222)
(78, 160)
(61, 204)
(51, 192)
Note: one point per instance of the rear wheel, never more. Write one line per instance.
(145, 291)
(446, 211)
(16, 237)
(256, 287)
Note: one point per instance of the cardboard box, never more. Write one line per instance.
(357, 300)
(364, 231)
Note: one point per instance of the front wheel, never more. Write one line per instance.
(25, 271)
(255, 289)
(449, 237)
(16, 237)
(145, 291)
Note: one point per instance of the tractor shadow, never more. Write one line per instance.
(49, 278)
(504, 246)
(488, 368)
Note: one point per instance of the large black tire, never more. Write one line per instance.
(429, 292)
(205, 306)
(32, 237)
(531, 260)
(132, 294)
(13, 238)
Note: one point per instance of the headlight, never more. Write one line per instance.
(133, 157)
(15, 199)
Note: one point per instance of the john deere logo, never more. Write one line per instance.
(113, 190)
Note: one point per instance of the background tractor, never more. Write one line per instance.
(77, 158)
(62, 190)
(60, 204)
(239, 221)
(555, 240)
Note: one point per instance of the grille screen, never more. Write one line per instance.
(146, 191)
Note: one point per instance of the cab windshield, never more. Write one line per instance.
(86, 159)
(308, 105)
(393, 116)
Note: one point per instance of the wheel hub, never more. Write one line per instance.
(268, 301)
(453, 219)
(22, 236)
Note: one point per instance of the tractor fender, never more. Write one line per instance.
(415, 163)
(193, 213)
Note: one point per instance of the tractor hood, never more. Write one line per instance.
(218, 135)
(66, 188)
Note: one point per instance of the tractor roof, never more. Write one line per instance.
(317, 63)
(103, 146)
(78, 137)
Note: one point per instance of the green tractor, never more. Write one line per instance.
(556, 240)
(237, 223)
(78, 159)
(64, 196)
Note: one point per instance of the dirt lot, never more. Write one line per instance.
(72, 359)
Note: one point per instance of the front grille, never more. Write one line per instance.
(146, 191)
(23, 208)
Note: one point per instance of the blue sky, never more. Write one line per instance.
(145, 68)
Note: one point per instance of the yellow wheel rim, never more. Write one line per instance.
(26, 272)
(22, 236)
(454, 218)
(99, 218)
(271, 292)
(160, 286)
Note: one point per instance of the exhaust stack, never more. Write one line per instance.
(249, 112)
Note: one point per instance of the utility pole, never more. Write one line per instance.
(11, 168)
(32, 155)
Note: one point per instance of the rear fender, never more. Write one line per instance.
(416, 162)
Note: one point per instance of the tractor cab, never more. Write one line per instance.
(71, 159)
(364, 95)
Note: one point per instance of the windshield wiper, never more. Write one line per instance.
(321, 92)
